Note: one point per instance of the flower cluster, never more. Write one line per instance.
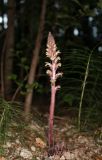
(53, 54)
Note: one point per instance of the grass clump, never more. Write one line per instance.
(10, 114)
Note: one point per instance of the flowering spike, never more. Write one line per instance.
(53, 54)
(51, 51)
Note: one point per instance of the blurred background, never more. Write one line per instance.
(76, 27)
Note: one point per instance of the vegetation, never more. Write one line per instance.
(24, 86)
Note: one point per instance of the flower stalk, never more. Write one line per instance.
(53, 54)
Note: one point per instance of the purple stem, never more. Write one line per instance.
(51, 117)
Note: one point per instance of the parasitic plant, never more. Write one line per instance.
(53, 54)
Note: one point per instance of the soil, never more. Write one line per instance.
(29, 141)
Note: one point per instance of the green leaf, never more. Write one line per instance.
(99, 4)
(13, 77)
(68, 98)
(33, 85)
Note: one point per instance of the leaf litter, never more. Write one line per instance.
(29, 142)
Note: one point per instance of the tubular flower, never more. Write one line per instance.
(53, 54)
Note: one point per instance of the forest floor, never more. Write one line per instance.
(29, 141)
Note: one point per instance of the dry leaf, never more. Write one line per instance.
(2, 158)
(40, 143)
(97, 157)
